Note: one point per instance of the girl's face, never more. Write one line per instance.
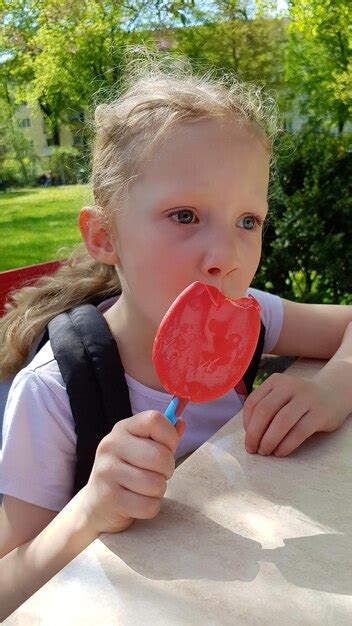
(194, 214)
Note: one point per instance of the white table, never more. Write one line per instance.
(241, 539)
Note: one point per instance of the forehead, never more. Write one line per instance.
(207, 155)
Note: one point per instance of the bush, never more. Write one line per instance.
(10, 175)
(307, 252)
(13, 175)
(67, 166)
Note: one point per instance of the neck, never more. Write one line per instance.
(134, 336)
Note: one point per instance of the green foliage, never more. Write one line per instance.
(307, 252)
(67, 166)
(251, 48)
(61, 53)
(18, 162)
(11, 172)
(318, 59)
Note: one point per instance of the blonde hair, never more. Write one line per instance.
(152, 101)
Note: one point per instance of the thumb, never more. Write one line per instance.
(180, 427)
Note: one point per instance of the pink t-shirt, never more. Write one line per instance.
(38, 456)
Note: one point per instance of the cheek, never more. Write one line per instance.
(249, 242)
(257, 249)
(256, 255)
(250, 257)
(153, 276)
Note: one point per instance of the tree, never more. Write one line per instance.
(17, 160)
(318, 61)
(243, 36)
(251, 48)
(62, 52)
(307, 255)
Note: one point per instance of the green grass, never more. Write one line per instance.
(36, 223)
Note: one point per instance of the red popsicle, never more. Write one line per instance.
(204, 344)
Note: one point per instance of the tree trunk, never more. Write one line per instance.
(54, 124)
(13, 133)
(56, 133)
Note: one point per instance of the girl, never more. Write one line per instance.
(180, 183)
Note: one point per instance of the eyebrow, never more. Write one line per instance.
(174, 201)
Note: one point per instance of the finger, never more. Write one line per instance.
(145, 454)
(281, 425)
(153, 425)
(262, 416)
(299, 433)
(253, 399)
(143, 482)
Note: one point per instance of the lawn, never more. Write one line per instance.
(36, 223)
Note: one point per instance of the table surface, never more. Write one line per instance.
(241, 539)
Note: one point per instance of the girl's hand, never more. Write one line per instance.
(132, 465)
(284, 411)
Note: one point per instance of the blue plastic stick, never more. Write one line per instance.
(175, 409)
(170, 411)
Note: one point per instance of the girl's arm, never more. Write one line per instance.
(284, 411)
(312, 330)
(20, 522)
(128, 480)
(26, 568)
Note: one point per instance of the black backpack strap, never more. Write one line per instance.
(91, 368)
(245, 386)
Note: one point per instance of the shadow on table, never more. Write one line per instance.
(169, 544)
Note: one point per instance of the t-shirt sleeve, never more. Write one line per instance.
(38, 458)
(272, 314)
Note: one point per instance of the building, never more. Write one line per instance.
(32, 123)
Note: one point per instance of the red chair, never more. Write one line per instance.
(12, 279)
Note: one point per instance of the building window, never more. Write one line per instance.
(49, 141)
(25, 123)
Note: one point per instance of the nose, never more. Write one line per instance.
(221, 254)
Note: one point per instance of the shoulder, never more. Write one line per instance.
(38, 395)
(39, 440)
(41, 375)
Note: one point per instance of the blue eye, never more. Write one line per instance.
(184, 216)
(249, 222)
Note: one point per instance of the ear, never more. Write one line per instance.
(97, 238)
